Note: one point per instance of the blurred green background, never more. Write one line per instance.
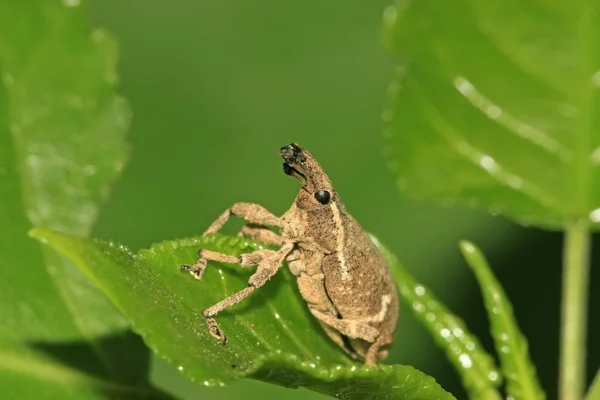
(218, 87)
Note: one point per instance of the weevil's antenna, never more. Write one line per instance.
(289, 170)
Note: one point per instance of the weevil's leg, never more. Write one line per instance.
(197, 270)
(253, 213)
(267, 267)
(338, 339)
(374, 350)
(245, 260)
(349, 328)
(260, 234)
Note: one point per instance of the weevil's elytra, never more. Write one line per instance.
(341, 274)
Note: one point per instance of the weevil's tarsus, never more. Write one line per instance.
(196, 270)
(215, 330)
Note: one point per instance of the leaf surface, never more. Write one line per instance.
(500, 110)
(271, 335)
(62, 133)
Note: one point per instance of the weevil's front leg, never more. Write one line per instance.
(260, 234)
(267, 267)
(197, 270)
(253, 213)
(245, 260)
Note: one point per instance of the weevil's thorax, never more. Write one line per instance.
(319, 222)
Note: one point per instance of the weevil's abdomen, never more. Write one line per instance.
(361, 287)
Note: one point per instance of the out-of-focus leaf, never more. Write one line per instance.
(63, 371)
(271, 336)
(496, 104)
(62, 133)
(511, 345)
(476, 367)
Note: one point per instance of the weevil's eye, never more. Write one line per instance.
(323, 196)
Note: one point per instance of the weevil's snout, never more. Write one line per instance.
(294, 158)
(304, 168)
(293, 154)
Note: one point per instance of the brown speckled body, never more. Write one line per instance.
(341, 274)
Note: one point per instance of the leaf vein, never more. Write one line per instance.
(509, 121)
(484, 161)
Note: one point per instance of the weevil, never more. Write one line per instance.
(341, 274)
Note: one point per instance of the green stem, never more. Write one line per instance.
(574, 311)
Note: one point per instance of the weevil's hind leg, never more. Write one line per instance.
(349, 328)
(260, 234)
(267, 267)
(376, 352)
(253, 213)
(355, 330)
(340, 341)
(371, 357)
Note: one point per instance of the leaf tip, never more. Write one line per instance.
(473, 255)
(38, 233)
(467, 248)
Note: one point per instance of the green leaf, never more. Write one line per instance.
(496, 104)
(477, 369)
(511, 345)
(61, 144)
(594, 392)
(385, 381)
(63, 371)
(271, 336)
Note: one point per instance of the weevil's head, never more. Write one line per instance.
(317, 189)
